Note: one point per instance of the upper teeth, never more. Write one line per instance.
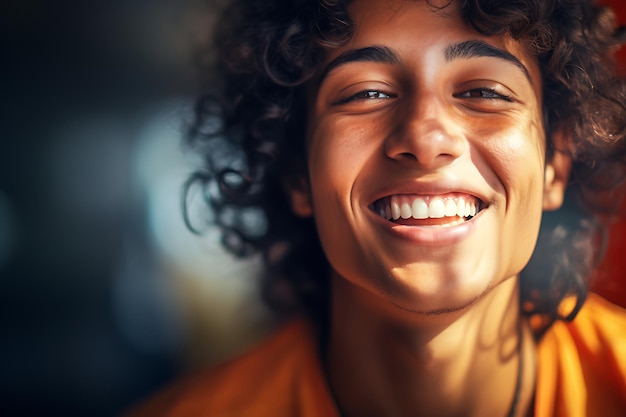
(417, 207)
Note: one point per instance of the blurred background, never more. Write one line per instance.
(104, 294)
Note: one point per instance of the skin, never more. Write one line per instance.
(425, 314)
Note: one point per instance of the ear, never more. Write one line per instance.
(556, 176)
(299, 194)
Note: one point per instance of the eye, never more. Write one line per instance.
(484, 93)
(366, 95)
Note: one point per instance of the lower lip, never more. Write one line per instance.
(431, 235)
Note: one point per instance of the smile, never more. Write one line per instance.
(442, 210)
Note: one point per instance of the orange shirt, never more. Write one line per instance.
(581, 372)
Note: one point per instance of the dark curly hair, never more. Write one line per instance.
(250, 133)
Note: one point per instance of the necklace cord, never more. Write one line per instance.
(520, 371)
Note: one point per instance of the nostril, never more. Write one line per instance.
(408, 156)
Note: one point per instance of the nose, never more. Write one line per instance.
(426, 135)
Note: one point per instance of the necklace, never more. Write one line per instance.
(520, 371)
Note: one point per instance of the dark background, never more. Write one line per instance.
(86, 327)
(81, 81)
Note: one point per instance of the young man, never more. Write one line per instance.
(402, 153)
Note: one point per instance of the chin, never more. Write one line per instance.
(444, 297)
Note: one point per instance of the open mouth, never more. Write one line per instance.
(420, 210)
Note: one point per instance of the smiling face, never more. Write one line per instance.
(426, 157)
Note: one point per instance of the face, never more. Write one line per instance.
(426, 157)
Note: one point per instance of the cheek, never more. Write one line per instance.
(514, 152)
(517, 160)
(337, 153)
(523, 163)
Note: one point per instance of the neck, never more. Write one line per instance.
(386, 361)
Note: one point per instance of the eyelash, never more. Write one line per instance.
(491, 94)
(483, 94)
(366, 95)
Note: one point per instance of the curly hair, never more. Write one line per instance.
(250, 133)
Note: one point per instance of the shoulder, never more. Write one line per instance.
(582, 364)
(280, 377)
(599, 327)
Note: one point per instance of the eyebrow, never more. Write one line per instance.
(381, 54)
(477, 48)
(462, 50)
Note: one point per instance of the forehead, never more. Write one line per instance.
(407, 25)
